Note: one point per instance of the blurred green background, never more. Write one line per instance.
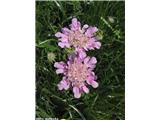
(107, 101)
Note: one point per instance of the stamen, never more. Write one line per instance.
(77, 72)
(77, 39)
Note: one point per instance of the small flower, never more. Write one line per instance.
(77, 37)
(51, 56)
(111, 19)
(78, 74)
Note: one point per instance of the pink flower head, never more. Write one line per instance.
(77, 37)
(78, 74)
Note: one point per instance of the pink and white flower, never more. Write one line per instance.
(78, 74)
(77, 37)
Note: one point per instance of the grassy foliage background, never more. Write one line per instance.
(107, 101)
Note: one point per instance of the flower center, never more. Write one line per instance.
(77, 72)
(77, 39)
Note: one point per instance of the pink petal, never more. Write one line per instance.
(93, 60)
(91, 78)
(94, 29)
(90, 47)
(60, 87)
(94, 84)
(85, 48)
(74, 21)
(66, 31)
(75, 24)
(61, 44)
(76, 92)
(64, 44)
(63, 39)
(86, 60)
(63, 85)
(97, 45)
(90, 31)
(91, 67)
(84, 28)
(59, 71)
(90, 62)
(59, 34)
(59, 65)
(85, 89)
(82, 53)
(91, 43)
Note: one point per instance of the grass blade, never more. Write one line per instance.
(82, 116)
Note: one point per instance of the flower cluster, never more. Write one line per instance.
(78, 71)
(79, 38)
